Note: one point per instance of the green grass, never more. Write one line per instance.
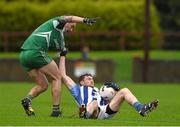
(12, 114)
(167, 114)
(122, 59)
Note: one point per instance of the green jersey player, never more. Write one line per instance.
(35, 60)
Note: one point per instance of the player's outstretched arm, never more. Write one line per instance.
(74, 89)
(66, 79)
(77, 19)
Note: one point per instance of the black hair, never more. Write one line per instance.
(82, 77)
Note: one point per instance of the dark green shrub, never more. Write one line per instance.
(116, 15)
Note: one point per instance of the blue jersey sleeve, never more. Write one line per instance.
(75, 91)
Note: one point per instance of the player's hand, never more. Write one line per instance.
(112, 85)
(64, 52)
(90, 21)
(82, 111)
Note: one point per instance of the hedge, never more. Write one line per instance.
(116, 15)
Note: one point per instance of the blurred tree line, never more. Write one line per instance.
(169, 12)
(116, 15)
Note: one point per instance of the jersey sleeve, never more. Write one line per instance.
(75, 91)
(59, 23)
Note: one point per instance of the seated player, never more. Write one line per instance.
(92, 105)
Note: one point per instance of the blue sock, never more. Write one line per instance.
(138, 106)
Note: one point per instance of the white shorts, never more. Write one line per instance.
(102, 113)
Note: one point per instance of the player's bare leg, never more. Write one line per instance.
(42, 85)
(41, 81)
(126, 95)
(52, 70)
(123, 94)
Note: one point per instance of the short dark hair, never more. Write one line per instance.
(82, 77)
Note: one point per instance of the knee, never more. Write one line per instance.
(44, 88)
(42, 85)
(124, 91)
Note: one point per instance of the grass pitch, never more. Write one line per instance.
(12, 113)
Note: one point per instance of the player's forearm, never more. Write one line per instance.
(66, 79)
(75, 19)
(62, 67)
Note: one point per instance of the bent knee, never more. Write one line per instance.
(44, 88)
(124, 90)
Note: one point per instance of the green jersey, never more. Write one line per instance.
(47, 36)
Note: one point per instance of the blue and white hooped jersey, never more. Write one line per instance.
(84, 95)
(88, 94)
